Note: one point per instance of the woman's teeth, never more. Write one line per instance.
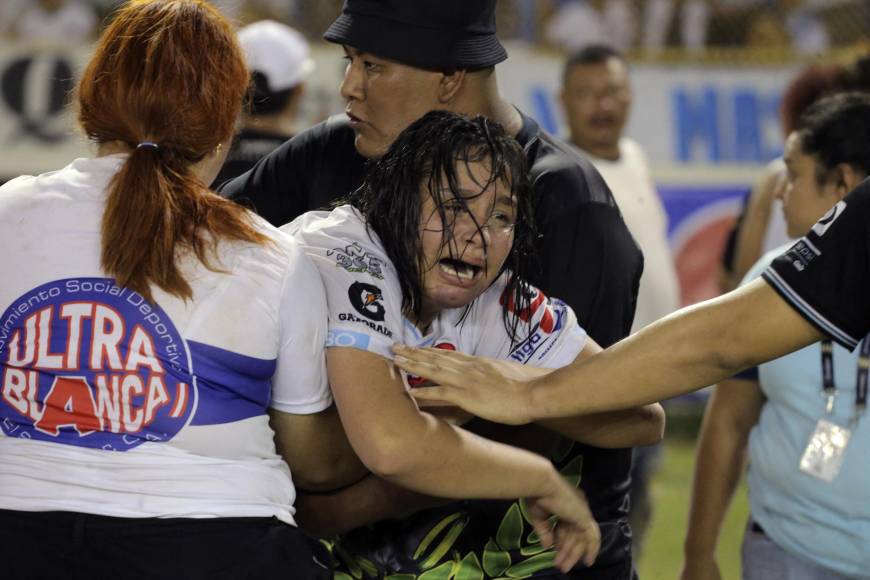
(461, 271)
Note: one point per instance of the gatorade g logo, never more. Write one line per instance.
(366, 299)
(85, 362)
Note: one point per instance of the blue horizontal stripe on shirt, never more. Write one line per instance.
(231, 386)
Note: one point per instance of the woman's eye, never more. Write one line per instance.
(501, 220)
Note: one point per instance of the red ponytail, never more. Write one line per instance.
(168, 72)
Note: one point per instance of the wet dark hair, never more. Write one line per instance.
(428, 155)
(834, 130)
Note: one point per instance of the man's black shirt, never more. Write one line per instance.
(588, 259)
(308, 172)
(248, 147)
(825, 275)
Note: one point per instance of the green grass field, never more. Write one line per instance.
(663, 552)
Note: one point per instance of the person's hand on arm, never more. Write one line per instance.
(413, 449)
(731, 413)
(638, 426)
(692, 348)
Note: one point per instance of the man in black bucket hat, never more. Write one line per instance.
(405, 58)
(443, 36)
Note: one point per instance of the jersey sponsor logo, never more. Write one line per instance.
(414, 380)
(366, 299)
(801, 254)
(540, 340)
(537, 301)
(821, 226)
(548, 317)
(379, 328)
(85, 362)
(354, 258)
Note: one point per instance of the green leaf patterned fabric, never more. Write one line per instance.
(470, 540)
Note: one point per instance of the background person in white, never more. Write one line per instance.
(596, 97)
(150, 330)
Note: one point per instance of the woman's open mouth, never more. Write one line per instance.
(459, 269)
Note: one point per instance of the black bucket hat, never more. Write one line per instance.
(431, 34)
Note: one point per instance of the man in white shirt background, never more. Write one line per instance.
(596, 97)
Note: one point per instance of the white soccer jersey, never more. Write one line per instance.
(116, 406)
(365, 302)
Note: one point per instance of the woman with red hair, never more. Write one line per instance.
(156, 338)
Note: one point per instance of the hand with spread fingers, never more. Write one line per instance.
(496, 390)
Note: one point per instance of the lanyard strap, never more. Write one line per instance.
(861, 382)
(829, 388)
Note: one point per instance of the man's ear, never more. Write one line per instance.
(846, 178)
(450, 85)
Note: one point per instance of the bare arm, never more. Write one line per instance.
(693, 347)
(634, 427)
(731, 413)
(401, 444)
(316, 449)
(413, 449)
(366, 502)
(643, 425)
(375, 499)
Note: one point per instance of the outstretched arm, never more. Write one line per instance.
(642, 425)
(687, 350)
